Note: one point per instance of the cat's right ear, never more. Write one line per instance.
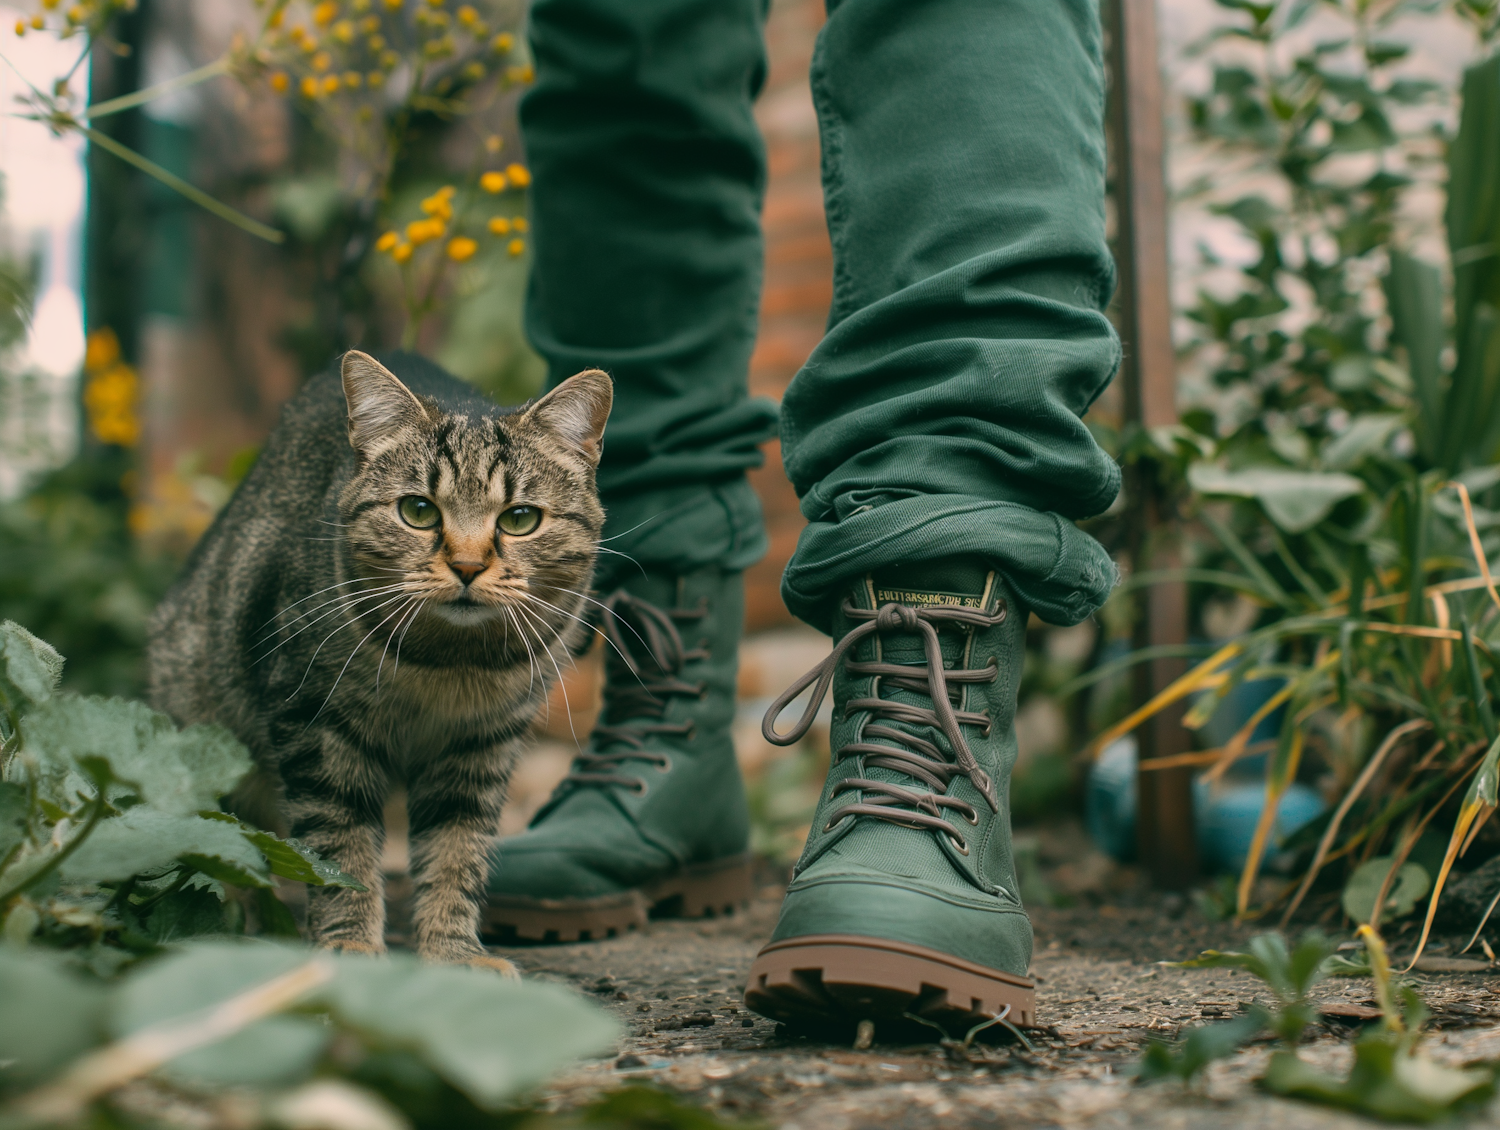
(380, 406)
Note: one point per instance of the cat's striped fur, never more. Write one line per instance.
(354, 652)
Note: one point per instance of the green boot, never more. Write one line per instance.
(905, 899)
(653, 815)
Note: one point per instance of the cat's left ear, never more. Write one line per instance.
(380, 406)
(577, 410)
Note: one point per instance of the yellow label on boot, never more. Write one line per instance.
(919, 597)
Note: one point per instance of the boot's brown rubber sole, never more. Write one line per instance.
(702, 890)
(845, 977)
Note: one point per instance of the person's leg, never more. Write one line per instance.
(648, 172)
(935, 438)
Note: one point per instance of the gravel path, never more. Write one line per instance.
(676, 987)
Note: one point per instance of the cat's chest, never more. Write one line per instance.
(422, 711)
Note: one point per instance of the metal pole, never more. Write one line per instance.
(1164, 822)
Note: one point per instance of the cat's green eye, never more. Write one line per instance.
(519, 521)
(419, 512)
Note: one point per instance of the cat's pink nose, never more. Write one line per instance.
(467, 570)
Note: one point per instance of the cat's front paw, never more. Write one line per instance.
(496, 964)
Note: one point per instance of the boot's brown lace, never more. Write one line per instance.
(911, 755)
(643, 666)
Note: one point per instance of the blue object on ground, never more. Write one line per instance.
(1225, 813)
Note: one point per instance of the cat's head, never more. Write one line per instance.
(485, 522)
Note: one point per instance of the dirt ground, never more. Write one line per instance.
(1102, 994)
(1102, 990)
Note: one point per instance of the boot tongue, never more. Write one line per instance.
(953, 582)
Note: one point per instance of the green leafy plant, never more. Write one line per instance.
(1340, 480)
(111, 838)
(1389, 1078)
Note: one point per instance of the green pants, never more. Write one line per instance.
(963, 173)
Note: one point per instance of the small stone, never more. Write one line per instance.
(626, 1062)
(643, 1007)
(747, 1023)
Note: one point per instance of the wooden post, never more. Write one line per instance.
(1165, 836)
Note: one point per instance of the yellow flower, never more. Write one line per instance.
(502, 43)
(402, 251)
(324, 13)
(310, 44)
(361, 5)
(474, 71)
(388, 59)
(492, 181)
(102, 351)
(516, 246)
(20, 28)
(375, 78)
(377, 43)
(369, 25)
(519, 223)
(276, 17)
(493, 143)
(466, 15)
(343, 31)
(519, 175)
(387, 241)
(309, 87)
(321, 61)
(435, 3)
(353, 79)
(461, 248)
(279, 82)
(520, 74)
(420, 231)
(393, 4)
(500, 225)
(330, 84)
(49, 4)
(38, 23)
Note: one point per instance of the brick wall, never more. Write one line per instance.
(799, 275)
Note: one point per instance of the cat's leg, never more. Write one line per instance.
(334, 797)
(453, 806)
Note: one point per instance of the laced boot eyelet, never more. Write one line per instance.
(664, 765)
(971, 816)
(959, 845)
(639, 788)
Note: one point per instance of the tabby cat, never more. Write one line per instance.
(386, 600)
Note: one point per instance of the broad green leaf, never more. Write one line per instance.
(276, 1050)
(189, 913)
(291, 858)
(490, 1037)
(47, 1015)
(1365, 436)
(1385, 1081)
(1294, 500)
(144, 839)
(1408, 888)
(29, 668)
(175, 772)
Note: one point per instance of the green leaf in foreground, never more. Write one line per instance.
(144, 840)
(48, 1015)
(1386, 1081)
(1409, 887)
(1201, 1047)
(29, 668)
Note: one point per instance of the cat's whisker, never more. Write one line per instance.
(329, 636)
(617, 553)
(381, 665)
(638, 525)
(421, 604)
(562, 684)
(344, 603)
(530, 655)
(325, 604)
(339, 677)
(310, 596)
(629, 666)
